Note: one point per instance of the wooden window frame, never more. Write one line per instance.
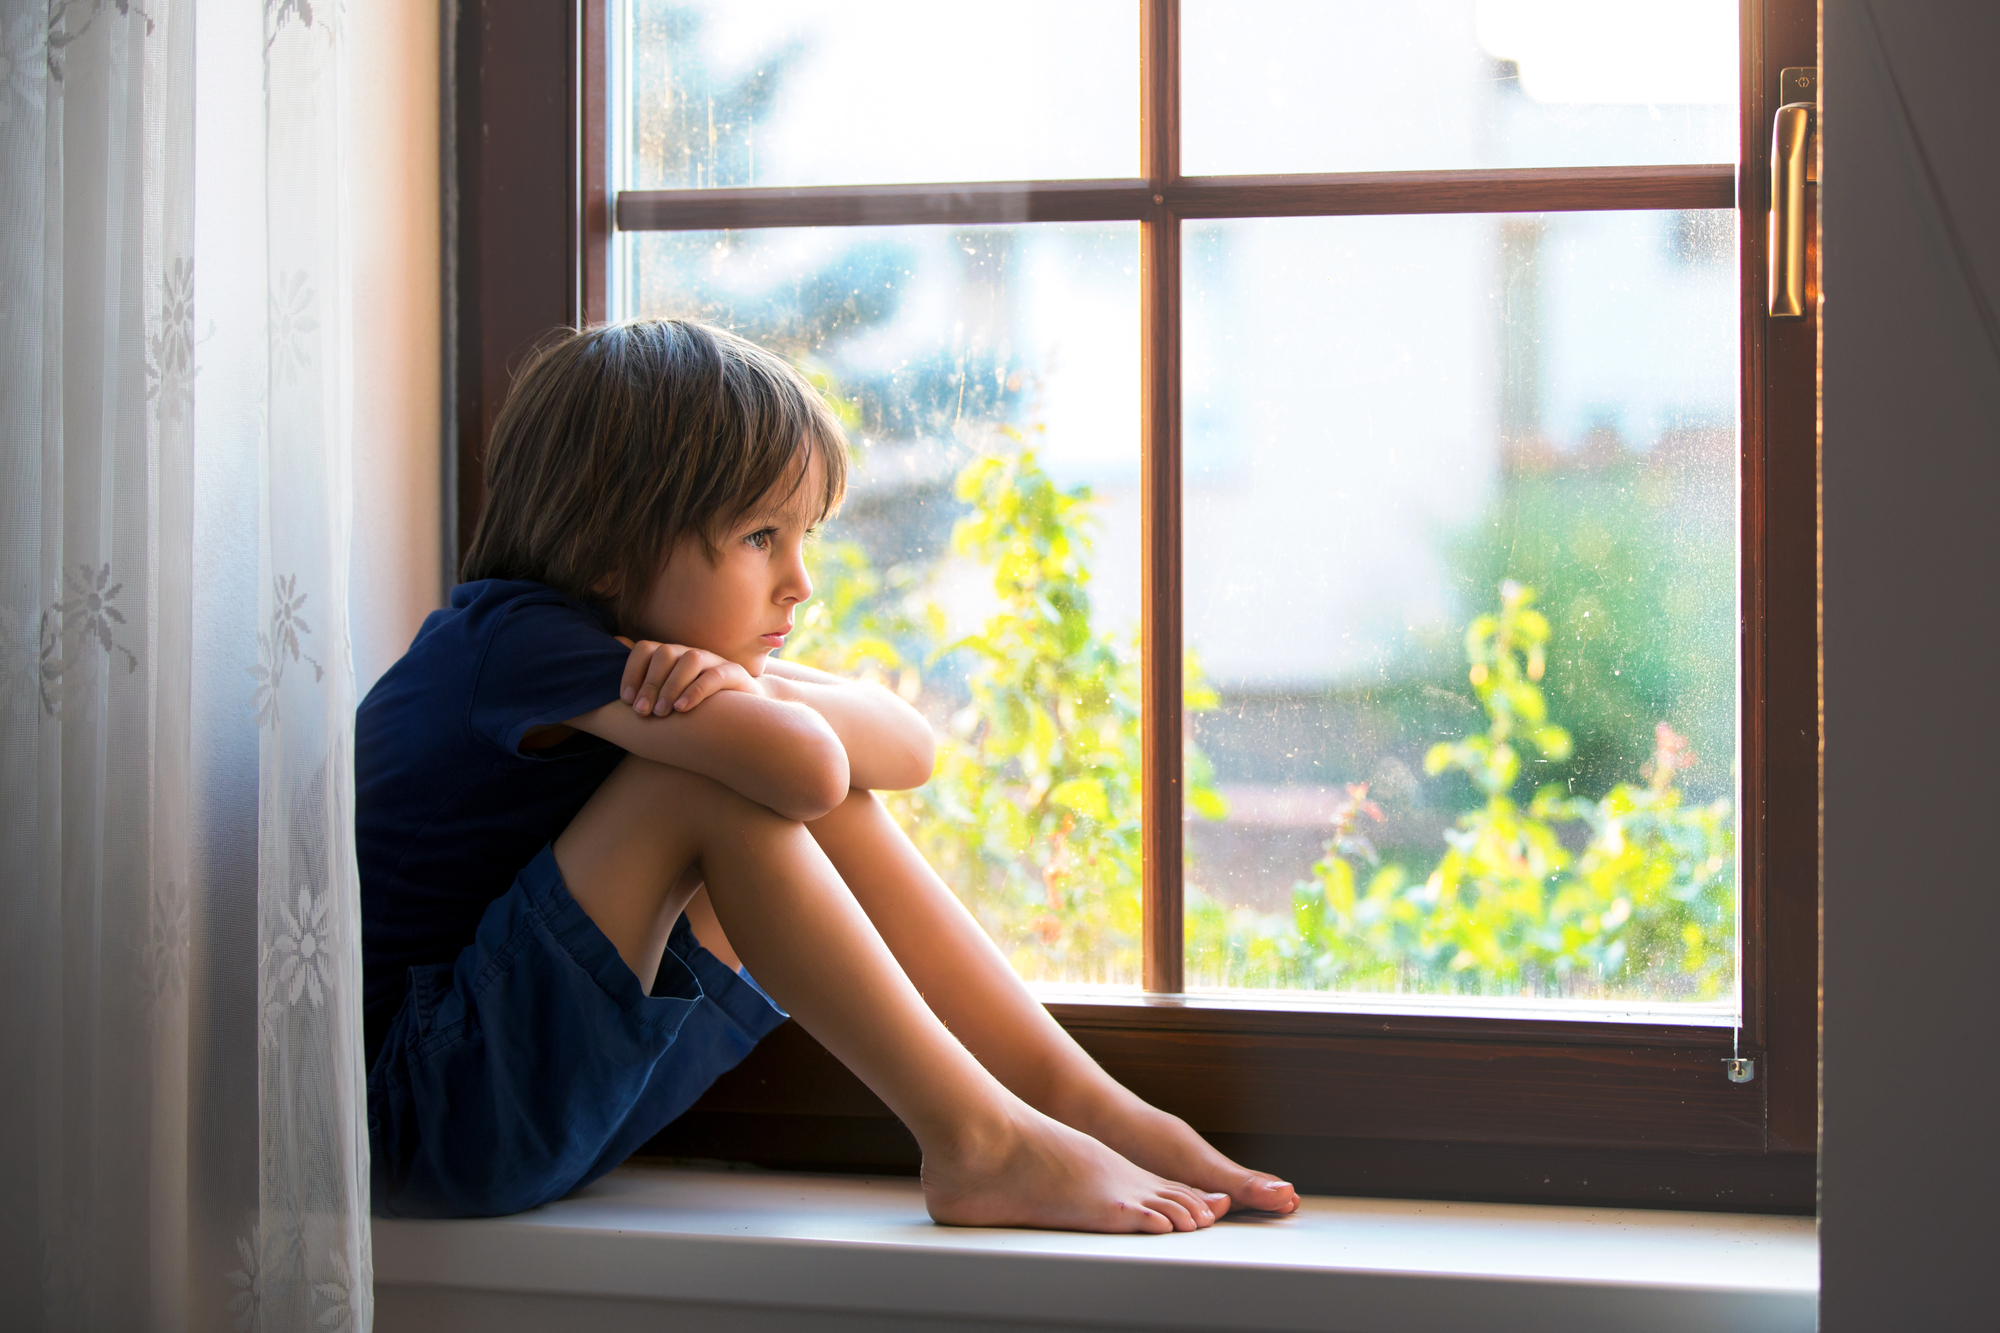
(1411, 1105)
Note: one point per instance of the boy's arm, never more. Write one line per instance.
(778, 753)
(889, 745)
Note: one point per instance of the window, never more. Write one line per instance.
(1491, 344)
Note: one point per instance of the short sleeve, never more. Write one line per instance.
(547, 660)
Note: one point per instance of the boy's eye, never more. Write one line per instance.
(761, 538)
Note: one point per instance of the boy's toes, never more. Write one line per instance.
(1197, 1204)
(1201, 1205)
(1267, 1195)
(1173, 1210)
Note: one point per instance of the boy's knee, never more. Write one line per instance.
(707, 804)
(859, 802)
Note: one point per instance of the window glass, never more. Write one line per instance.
(812, 92)
(1460, 605)
(986, 563)
(1358, 85)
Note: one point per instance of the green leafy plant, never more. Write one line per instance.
(1647, 905)
(1033, 812)
(1630, 559)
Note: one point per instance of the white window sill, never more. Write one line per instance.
(655, 1248)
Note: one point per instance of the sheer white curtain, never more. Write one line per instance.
(184, 1139)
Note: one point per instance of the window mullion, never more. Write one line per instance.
(1160, 489)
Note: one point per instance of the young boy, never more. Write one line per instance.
(587, 788)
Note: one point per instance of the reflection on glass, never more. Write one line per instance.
(986, 561)
(1461, 541)
(1357, 85)
(812, 92)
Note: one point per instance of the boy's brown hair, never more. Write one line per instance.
(619, 440)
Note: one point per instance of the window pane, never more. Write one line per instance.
(1358, 85)
(812, 92)
(1461, 526)
(986, 563)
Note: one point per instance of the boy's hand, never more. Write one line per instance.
(667, 677)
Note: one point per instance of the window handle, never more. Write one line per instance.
(1791, 168)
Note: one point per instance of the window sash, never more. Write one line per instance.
(976, 203)
(1367, 1102)
(1160, 202)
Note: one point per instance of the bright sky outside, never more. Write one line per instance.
(869, 99)
(1343, 377)
(1593, 51)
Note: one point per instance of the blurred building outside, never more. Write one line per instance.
(1376, 409)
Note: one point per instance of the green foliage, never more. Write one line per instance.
(1647, 907)
(1508, 658)
(1033, 812)
(1660, 876)
(1630, 557)
(1497, 913)
(857, 624)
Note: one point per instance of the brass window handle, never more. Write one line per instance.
(1791, 148)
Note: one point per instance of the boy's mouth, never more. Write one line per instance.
(776, 639)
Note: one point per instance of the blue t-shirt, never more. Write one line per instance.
(448, 808)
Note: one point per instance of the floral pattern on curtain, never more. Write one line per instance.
(183, 1132)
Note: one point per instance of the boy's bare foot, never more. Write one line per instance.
(1161, 1142)
(1036, 1172)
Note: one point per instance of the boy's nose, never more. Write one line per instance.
(798, 586)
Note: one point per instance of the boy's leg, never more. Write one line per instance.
(708, 931)
(969, 984)
(631, 857)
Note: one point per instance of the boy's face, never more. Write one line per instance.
(738, 605)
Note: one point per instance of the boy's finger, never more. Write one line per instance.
(683, 674)
(657, 670)
(636, 662)
(707, 683)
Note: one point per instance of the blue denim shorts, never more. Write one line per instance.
(534, 1063)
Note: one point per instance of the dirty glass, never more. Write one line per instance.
(1461, 548)
(1358, 85)
(986, 561)
(813, 92)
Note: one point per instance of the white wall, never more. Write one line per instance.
(1909, 1159)
(393, 224)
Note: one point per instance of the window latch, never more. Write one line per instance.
(1792, 165)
